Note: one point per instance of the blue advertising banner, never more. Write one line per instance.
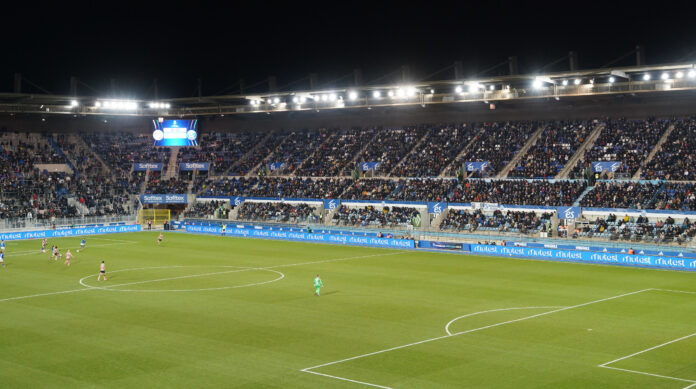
(437, 208)
(63, 232)
(610, 166)
(276, 165)
(332, 204)
(144, 166)
(365, 166)
(568, 212)
(474, 166)
(587, 256)
(164, 199)
(237, 200)
(191, 166)
(306, 237)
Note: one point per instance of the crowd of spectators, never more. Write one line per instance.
(519, 192)
(497, 144)
(121, 150)
(438, 150)
(333, 157)
(510, 221)
(295, 187)
(390, 146)
(625, 141)
(228, 186)
(425, 189)
(221, 149)
(296, 147)
(277, 212)
(35, 196)
(209, 209)
(680, 197)
(372, 217)
(676, 159)
(620, 195)
(163, 186)
(554, 148)
(640, 229)
(369, 189)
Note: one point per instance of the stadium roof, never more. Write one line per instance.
(490, 90)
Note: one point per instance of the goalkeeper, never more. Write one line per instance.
(317, 285)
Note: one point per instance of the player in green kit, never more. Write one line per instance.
(317, 285)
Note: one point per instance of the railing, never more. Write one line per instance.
(43, 224)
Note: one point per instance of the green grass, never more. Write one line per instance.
(253, 333)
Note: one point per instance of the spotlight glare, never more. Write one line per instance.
(376, 94)
(536, 84)
(303, 100)
(473, 88)
(400, 92)
(691, 74)
(680, 74)
(391, 93)
(432, 91)
(664, 76)
(646, 77)
(332, 97)
(352, 95)
(324, 97)
(577, 81)
(611, 80)
(492, 87)
(565, 82)
(73, 103)
(458, 89)
(295, 100)
(98, 104)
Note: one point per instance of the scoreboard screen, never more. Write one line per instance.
(175, 132)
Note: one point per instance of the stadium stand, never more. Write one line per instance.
(334, 156)
(277, 212)
(676, 159)
(626, 141)
(519, 192)
(552, 150)
(497, 144)
(369, 189)
(510, 221)
(390, 146)
(299, 187)
(440, 147)
(369, 216)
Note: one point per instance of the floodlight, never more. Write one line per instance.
(324, 97)
(352, 95)
(376, 94)
(73, 103)
(98, 104)
(646, 77)
(611, 80)
(680, 75)
(664, 76)
(411, 91)
(565, 82)
(577, 81)
(332, 97)
(458, 89)
(400, 92)
(473, 88)
(295, 100)
(491, 87)
(276, 100)
(391, 93)
(303, 100)
(536, 84)
(692, 74)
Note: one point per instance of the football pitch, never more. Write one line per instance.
(218, 312)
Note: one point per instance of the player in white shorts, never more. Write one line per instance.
(43, 245)
(159, 240)
(68, 257)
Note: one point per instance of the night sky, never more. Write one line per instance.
(134, 44)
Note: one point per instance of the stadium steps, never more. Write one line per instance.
(447, 171)
(171, 165)
(413, 150)
(328, 138)
(59, 150)
(356, 157)
(576, 203)
(522, 152)
(654, 151)
(580, 152)
(80, 143)
(266, 158)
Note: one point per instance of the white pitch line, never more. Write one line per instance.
(25, 253)
(651, 374)
(43, 294)
(674, 291)
(488, 311)
(473, 330)
(346, 379)
(646, 350)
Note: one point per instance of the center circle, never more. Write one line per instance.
(230, 270)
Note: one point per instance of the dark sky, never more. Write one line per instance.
(135, 43)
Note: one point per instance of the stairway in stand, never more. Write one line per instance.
(171, 166)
